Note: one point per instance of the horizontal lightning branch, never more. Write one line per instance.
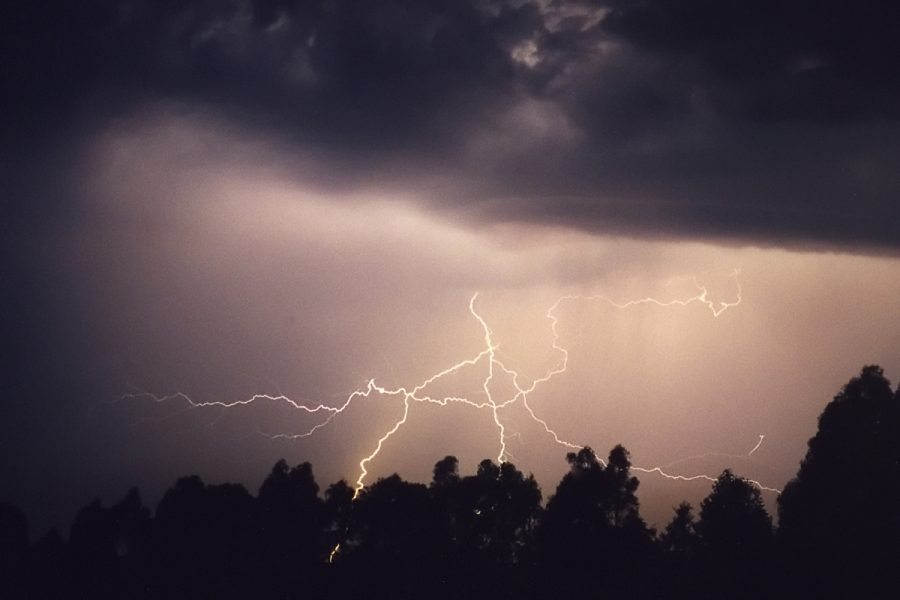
(487, 360)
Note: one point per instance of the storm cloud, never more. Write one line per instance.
(770, 123)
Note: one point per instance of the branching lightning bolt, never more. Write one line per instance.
(494, 367)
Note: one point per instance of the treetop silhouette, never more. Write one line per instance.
(487, 535)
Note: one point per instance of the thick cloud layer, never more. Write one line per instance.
(765, 122)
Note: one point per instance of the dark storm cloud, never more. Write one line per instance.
(778, 60)
(375, 71)
(769, 122)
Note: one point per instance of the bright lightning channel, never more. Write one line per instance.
(494, 368)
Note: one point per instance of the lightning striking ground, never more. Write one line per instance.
(488, 360)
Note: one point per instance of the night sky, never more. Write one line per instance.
(273, 197)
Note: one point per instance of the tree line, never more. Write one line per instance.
(489, 535)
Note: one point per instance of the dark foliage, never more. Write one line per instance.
(487, 535)
(841, 514)
(592, 535)
(13, 550)
(735, 535)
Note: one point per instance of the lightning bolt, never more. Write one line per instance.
(334, 552)
(717, 454)
(758, 444)
(493, 367)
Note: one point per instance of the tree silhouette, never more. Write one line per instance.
(207, 538)
(48, 573)
(492, 518)
(735, 533)
(495, 513)
(398, 542)
(733, 521)
(592, 535)
(840, 517)
(446, 473)
(292, 523)
(680, 544)
(680, 535)
(13, 551)
(108, 547)
(486, 535)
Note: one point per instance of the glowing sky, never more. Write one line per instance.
(296, 198)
